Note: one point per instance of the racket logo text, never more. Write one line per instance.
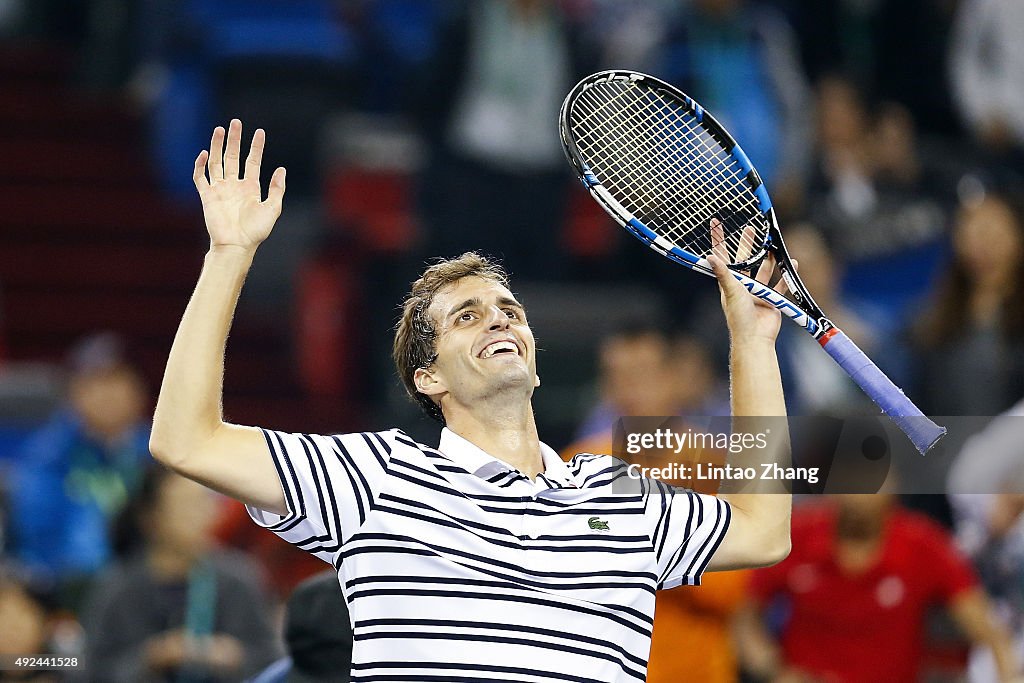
(780, 302)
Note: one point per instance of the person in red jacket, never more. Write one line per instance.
(858, 584)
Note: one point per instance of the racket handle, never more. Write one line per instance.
(889, 397)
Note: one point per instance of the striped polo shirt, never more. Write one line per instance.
(457, 567)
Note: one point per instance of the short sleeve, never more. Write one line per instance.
(329, 485)
(948, 570)
(688, 529)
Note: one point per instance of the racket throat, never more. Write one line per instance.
(826, 330)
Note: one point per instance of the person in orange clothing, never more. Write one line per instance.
(702, 617)
(643, 373)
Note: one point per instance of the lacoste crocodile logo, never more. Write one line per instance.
(598, 524)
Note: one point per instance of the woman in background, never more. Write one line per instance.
(972, 338)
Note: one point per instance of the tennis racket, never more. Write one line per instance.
(669, 173)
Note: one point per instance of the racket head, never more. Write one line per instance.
(665, 169)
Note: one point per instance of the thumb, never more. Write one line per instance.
(727, 282)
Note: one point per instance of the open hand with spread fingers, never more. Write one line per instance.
(233, 205)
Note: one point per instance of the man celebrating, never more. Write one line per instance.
(486, 558)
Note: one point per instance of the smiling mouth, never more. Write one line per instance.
(500, 347)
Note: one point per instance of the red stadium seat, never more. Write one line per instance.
(327, 329)
(589, 232)
(374, 206)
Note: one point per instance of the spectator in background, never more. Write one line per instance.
(856, 590)
(496, 178)
(817, 385)
(972, 336)
(281, 64)
(883, 216)
(25, 627)
(176, 608)
(76, 473)
(318, 632)
(986, 484)
(871, 42)
(285, 565)
(987, 71)
(740, 59)
(644, 373)
(693, 630)
(885, 219)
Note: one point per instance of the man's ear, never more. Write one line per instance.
(428, 383)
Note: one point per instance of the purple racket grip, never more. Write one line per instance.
(889, 397)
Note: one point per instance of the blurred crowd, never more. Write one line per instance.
(891, 136)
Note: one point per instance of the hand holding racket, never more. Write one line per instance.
(745, 315)
(670, 174)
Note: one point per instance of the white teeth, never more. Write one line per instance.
(500, 346)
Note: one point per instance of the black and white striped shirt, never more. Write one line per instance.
(457, 567)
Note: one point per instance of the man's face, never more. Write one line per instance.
(484, 344)
(109, 401)
(636, 375)
(866, 508)
(184, 516)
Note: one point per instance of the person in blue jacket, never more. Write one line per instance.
(76, 472)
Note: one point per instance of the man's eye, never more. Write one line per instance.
(466, 317)
(512, 313)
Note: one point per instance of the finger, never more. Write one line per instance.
(766, 269)
(742, 250)
(275, 195)
(216, 159)
(746, 244)
(727, 282)
(199, 172)
(718, 246)
(233, 150)
(255, 158)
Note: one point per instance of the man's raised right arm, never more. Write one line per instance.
(189, 432)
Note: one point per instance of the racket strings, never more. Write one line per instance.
(619, 168)
(658, 161)
(624, 167)
(712, 156)
(633, 173)
(733, 181)
(677, 217)
(680, 151)
(649, 158)
(701, 161)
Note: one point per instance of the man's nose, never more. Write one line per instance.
(497, 319)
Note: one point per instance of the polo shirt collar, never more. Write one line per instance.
(475, 460)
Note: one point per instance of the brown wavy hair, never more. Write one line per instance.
(949, 313)
(415, 343)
